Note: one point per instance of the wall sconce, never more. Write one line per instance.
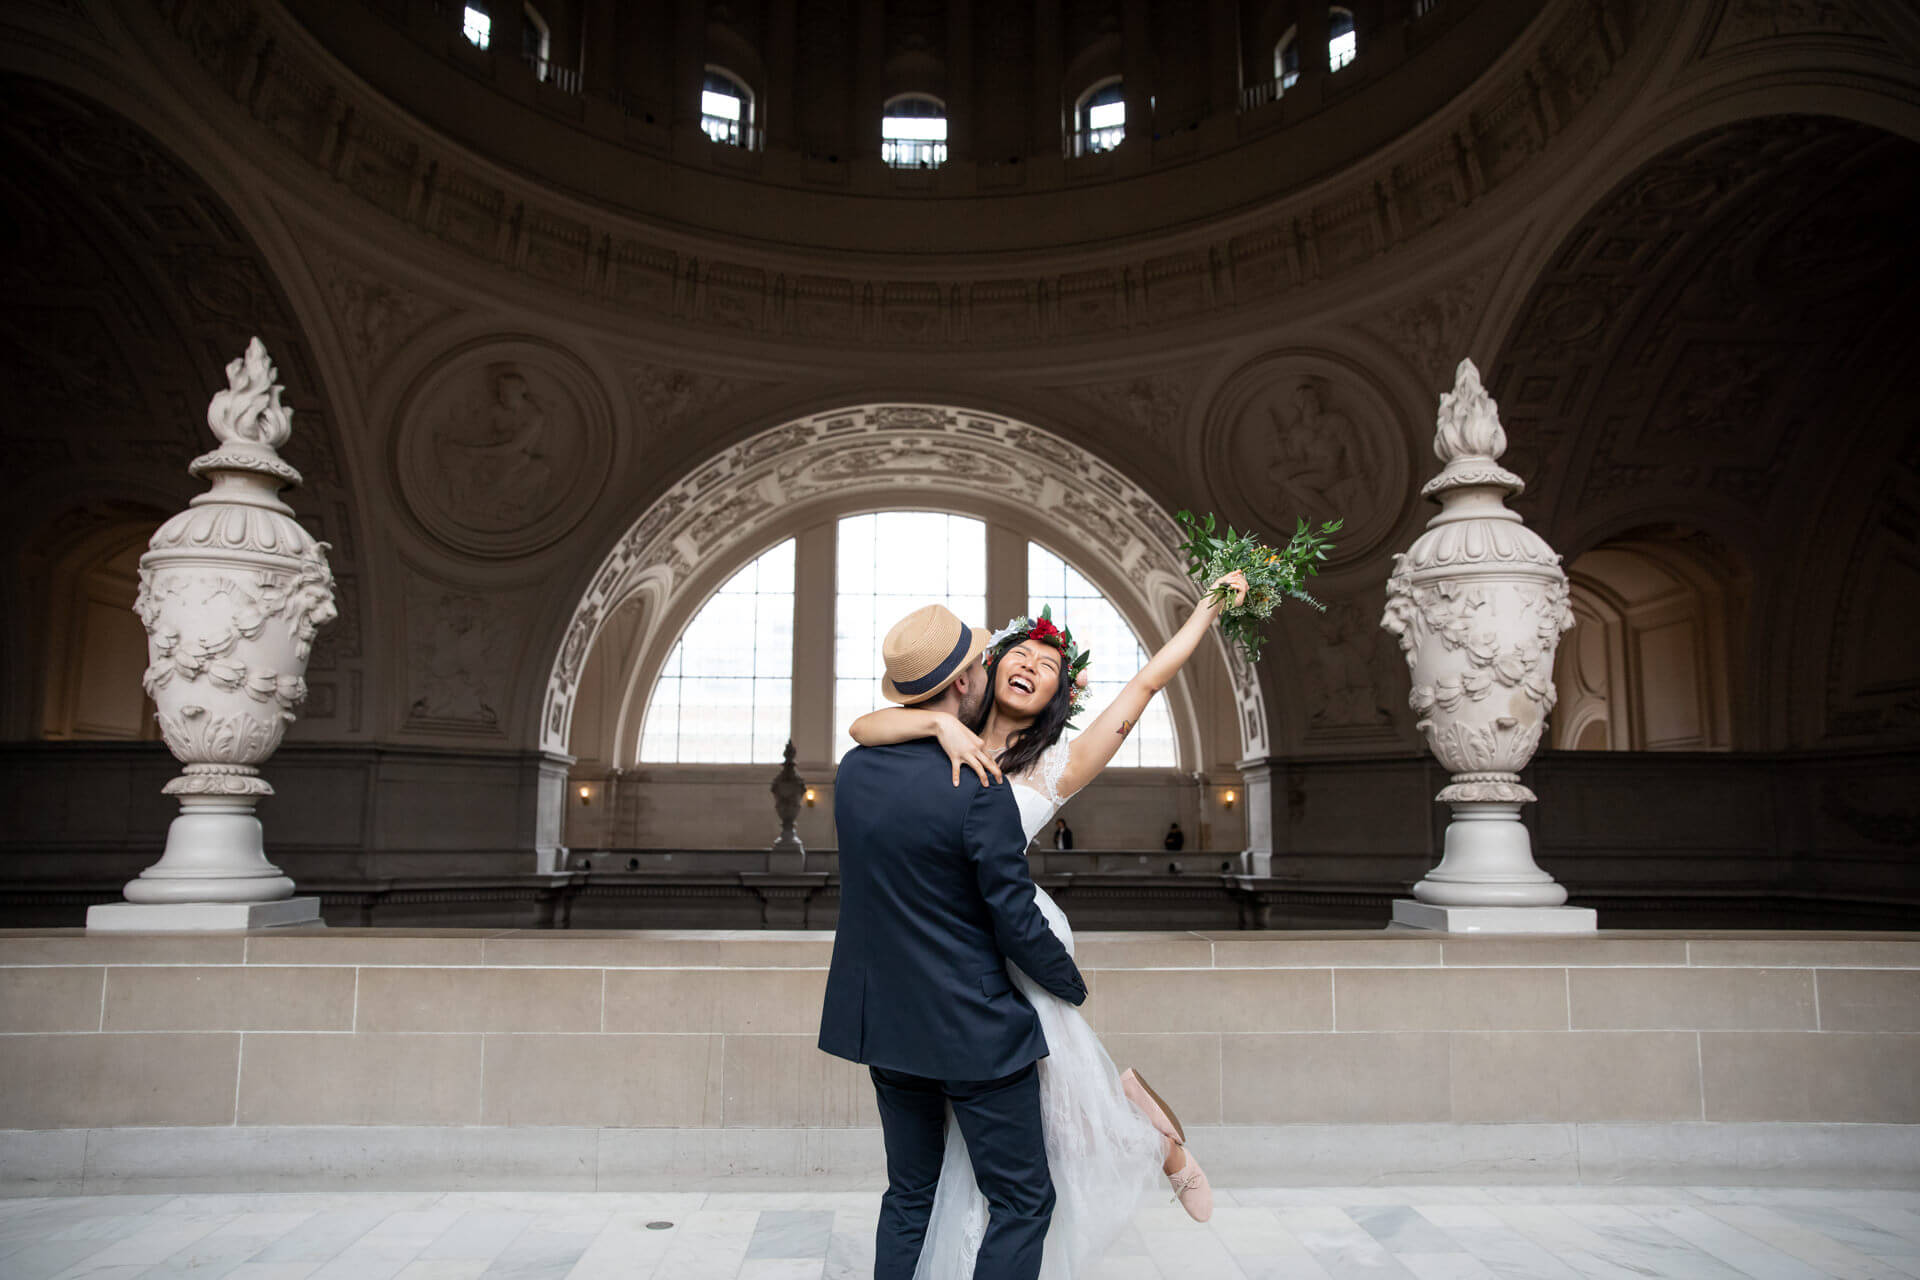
(809, 797)
(1227, 800)
(586, 795)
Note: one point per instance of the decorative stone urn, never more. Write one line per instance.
(788, 791)
(1478, 604)
(231, 592)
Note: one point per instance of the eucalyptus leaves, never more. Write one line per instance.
(1272, 573)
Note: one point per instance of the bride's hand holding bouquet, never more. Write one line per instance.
(1266, 575)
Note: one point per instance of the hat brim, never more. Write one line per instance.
(979, 637)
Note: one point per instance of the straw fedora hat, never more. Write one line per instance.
(925, 651)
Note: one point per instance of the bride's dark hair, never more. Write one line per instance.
(1026, 746)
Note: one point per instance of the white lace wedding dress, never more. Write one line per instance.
(1104, 1155)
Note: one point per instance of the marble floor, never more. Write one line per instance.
(1404, 1233)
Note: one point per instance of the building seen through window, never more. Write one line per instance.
(913, 132)
(726, 108)
(1100, 120)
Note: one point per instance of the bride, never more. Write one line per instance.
(1109, 1137)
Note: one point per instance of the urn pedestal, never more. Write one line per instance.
(232, 591)
(1478, 604)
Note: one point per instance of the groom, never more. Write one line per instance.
(935, 898)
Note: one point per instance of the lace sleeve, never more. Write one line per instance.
(1052, 765)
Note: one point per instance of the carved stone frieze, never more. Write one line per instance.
(1746, 21)
(716, 512)
(305, 106)
(503, 447)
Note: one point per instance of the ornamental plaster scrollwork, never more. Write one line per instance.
(669, 400)
(1151, 408)
(1299, 435)
(376, 316)
(714, 514)
(1428, 330)
(503, 447)
(1746, 21)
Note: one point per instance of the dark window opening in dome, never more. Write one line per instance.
(726, 108)
(913, 132)
(1342, 43)
(536, 43)
(476, 25)
(1286, 61)
(1100, 118)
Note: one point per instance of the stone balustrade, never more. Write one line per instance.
(474, 1058)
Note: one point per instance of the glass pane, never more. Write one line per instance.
(890, 564)
(477, 26)
(725, 693)
(1117, 653)
(723, 105)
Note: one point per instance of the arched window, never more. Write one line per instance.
(1286, 61)
(1342, 42)
(726, 108)
(1117, 653)
(913, 132)
(725, 694)
(889, 564)
(1100, 118)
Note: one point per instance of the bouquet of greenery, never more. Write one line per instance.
(1272, 574)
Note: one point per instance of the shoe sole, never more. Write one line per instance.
(1160, 1102)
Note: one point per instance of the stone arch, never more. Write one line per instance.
(878, 456)
(1704, 348)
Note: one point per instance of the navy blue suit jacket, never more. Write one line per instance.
(935, 898)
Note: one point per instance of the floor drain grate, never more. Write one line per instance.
(659, 1226)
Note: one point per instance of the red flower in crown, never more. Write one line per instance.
(1044, 631)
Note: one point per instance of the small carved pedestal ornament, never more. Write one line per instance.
(1478, 604)
(787, 853)
(231, 592)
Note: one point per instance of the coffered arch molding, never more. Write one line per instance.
(1705, 104)
(881, 456)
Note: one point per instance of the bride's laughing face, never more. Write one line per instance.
(1029, 676)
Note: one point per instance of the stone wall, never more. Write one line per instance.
(620, 1060)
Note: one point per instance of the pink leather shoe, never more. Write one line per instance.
(1190, 1185)
(1152, 1107)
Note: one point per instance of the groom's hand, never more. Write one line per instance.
(965, 749)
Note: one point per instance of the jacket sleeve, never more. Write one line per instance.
(996, 846)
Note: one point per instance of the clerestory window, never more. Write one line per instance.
(913, 132)
(726, 108)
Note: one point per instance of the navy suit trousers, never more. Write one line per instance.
(1000, 1120)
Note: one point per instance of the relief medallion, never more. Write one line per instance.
(503, 446)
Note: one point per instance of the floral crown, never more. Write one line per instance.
(1045, 631)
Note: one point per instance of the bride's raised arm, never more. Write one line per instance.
(1090, 751)
(903, 724)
